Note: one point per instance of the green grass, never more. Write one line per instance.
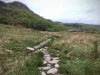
(77, 52)
(31, 66)
(13, 51)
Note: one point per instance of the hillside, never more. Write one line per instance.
(17, 13)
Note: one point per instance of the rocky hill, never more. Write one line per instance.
(19, 5)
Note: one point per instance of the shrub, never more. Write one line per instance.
(25, 22)
(5, 20)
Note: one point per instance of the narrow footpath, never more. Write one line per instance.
(50, 63)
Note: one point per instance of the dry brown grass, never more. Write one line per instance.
(51, 34)
(76, 39)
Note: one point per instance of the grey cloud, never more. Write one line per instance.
(89, 11)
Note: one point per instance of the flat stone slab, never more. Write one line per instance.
(43, 73)
(55, 58)
(56, 65)
(47, 55)
(36, 47)
(44, 62)
(47, 59)
(44, 68)
(54, 61)
(49, 64)
(52, 71)
(46, 47)
(30, 48)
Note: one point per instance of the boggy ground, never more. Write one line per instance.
(13, 50)
(79, 52)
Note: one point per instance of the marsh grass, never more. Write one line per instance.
(80, 53)
(13, 52)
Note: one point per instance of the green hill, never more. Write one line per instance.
(17, 13)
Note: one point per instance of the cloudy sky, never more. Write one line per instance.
(76, 11)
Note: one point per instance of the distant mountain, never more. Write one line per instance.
(77, 27)
(2, 3)
(17, 13)
(19, 5)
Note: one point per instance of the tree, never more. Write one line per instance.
(25, 22)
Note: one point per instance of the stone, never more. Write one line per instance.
(49, 64)
(52, 71)
(47, 59)
(36, 47)
(55, 58)
(41, 49)
(54, 61)
(76, 59)
(56, 65)
(43, 73)
(29, 48)
(29, 53)
(41, 44)
(44, 50)
(44, 62)
(44, 68)
(46, 47)
(47, 55)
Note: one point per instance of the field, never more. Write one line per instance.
(13, 51)
(79, 51)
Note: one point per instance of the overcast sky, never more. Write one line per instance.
(78, 11)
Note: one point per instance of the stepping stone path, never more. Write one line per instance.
(50, 63)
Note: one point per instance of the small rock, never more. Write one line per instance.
(76, 59)
(29, 53)
(44, 62)
(44, 68)
(29, 48)
(49, 64)
(55, 58)
(56, 65)
(47, 55)
(43, 73)
(46, 47)
(47, 58)
(36, 47)
(52, 71)
(53, 61)
(41, 49)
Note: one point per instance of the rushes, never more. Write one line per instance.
(76, 39)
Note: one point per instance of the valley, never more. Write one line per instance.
(78, 51)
